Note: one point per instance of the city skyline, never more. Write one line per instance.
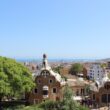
(61, 29)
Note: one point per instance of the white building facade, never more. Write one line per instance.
(95, 72)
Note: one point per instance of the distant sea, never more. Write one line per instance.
(57, 60)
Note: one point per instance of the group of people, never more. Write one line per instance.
(89, 103)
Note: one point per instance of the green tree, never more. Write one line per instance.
(109, 75)
(15, 79)
(68, 103)
(87, 88)
(76, 68)
(104, 65)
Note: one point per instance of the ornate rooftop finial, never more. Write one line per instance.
(44, 56)
(45, 62)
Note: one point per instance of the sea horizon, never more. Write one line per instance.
(57, 59)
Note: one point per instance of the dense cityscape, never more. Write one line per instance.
(89, 81)
(55, 55)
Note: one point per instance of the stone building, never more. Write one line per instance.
(48, 84)
(100, 91)
(108, 65)
(78, 86)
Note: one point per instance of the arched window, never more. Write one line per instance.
(50, 81)
(45, 91)
(45, 73)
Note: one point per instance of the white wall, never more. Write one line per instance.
(96, 72)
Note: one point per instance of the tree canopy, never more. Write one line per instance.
(15, 79)
(76, 68)
(68, 102)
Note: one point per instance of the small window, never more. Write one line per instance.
(90, 76)
(82, 91)
(50, 81)
(77, 92)
(39, 81)
(107, 87)
(45, 92)
(54, 90)
(93, 96)
(35, 90)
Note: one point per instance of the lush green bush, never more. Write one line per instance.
(34, 107)
(50, 105)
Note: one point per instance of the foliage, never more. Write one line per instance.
(82, 108)
(87, 88)
(18, 107)
(50, 105)
(76, 68)
(15, 79)
(103, 65)
(57, 69)
(34, 107)
(109, 75)
(64, 77)
(68, 103)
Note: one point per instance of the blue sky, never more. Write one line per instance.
(60, 28)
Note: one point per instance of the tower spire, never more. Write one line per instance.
(45, 62)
